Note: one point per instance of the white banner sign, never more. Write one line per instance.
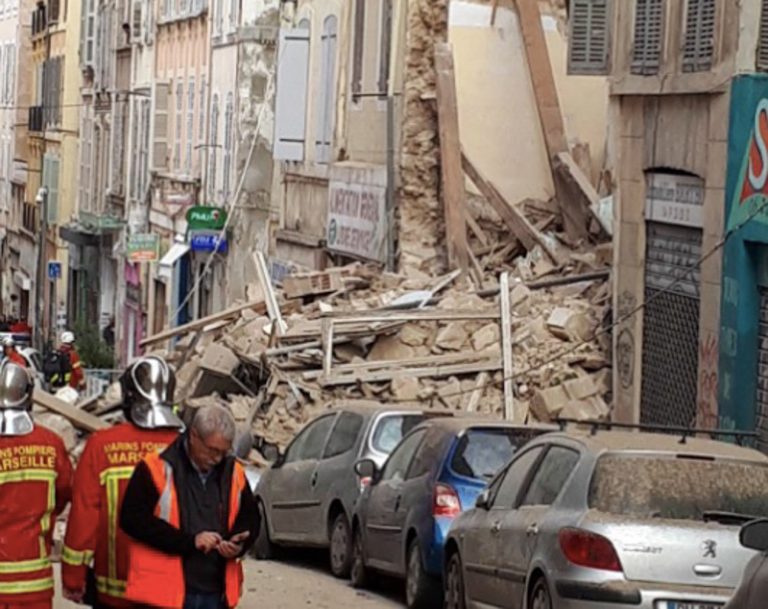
(675, 199)
(357, 220)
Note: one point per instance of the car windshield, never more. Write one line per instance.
(483, 452)
(391, 428)
(678, 488)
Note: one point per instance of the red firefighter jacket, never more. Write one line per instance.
(35, 486)
(93, 531)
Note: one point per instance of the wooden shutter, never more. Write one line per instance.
(358, 50)
(589, 39)
(762, 47)
(699, 48)
(291, 102)
(649, 36)
(136, 21)
(160, 128)
(327, 98)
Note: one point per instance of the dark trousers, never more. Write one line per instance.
(203, 600)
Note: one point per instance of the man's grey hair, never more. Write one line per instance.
(212, 419)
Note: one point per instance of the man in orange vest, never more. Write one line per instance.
(94, 540)
(191, 516)
(35, 486)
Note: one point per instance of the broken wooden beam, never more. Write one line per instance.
(490, 365)
(579, 189)
(505, 319)
(452, 178)
(231, 313)
(510, 215)
(79, 418)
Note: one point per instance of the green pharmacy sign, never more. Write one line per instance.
(206, 218)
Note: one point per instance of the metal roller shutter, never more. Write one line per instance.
(670, 325)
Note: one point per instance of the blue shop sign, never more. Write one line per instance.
(208, 242)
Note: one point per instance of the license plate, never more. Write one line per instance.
(693, 606)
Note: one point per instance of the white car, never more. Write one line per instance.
(753, 590)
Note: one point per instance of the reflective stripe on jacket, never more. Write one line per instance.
(156, 578)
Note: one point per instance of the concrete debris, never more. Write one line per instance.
(414, 338)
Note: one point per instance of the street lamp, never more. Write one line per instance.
(42, 205)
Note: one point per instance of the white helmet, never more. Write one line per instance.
(9, 342)
(67, 338)
(16, 388)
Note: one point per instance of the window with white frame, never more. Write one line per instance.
(229, 113)
(213, 147)
(190, 124)
(327, 99)
(86, 158)
(179, 119)
(358, 50)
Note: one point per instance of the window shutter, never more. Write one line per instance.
(589, 39)
(291, 103)
(327, 98)
(649, 34)
(51, 182)
(136, 22)
(699, 49)
(160, 137)
(358, 50)
(762, 48)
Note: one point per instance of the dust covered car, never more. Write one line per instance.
(610, 519)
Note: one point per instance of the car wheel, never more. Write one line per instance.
(341, 547)
(421, 591)
(540, 598)
(358, 573)
(454, 584)
(263, 548)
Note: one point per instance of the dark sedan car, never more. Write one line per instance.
(435, 473)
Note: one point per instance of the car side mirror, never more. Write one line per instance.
(754, 535)
(366, 468)
(272, 454)
(483, 501)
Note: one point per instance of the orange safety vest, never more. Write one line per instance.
(156, 578)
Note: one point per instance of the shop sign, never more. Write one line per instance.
(208, 241)
(750, 200)
(357, 220)
(675, 199)
(206, 218)
(143, 247)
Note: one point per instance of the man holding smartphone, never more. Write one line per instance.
(191, 516)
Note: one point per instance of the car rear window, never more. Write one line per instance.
(678, 488)
(390, 429)
(481, 453)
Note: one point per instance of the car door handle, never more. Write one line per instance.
(496, 527)
(532, 530)
(313, 481)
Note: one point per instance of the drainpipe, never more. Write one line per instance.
(42, 238)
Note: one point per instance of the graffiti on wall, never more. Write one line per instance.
(625, 341)
(706, 407)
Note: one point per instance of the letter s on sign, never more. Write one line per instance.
(758, 181)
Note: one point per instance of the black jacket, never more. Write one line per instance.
(201, 508)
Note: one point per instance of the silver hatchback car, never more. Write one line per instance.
(602, 520)
(307, 497)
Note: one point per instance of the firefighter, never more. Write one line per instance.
(95, 550)
(35, 486)
(11, 353)
(64, 366)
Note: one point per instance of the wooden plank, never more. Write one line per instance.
(79, 418)
(506, 347)
(231, 313)
(434, 360)
(327, 341)
(490, 365)
(579, 188)
(550, 113)
(477, 392)
(453, 187)
(482, 237)
(416, 315)
(273, 307)
(512, 217)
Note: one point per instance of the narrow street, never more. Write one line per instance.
(302, 580)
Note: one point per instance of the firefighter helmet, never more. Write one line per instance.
(16, 388)
(148, 386)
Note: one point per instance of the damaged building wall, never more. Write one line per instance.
(252, 216)
(421, 224)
